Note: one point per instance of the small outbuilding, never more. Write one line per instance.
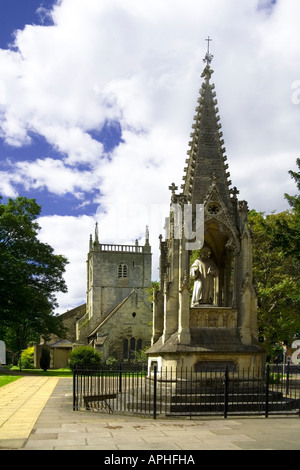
(2, 353)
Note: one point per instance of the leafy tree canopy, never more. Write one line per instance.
(276, 268)
(276, 276)
(288, 232)
(30, 275)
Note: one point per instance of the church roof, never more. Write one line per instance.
(77, 312)
(108, 316)
(111, 313)
(62, 343)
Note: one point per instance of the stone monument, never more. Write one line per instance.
(205, 311)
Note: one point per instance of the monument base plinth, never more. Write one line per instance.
(212, 347)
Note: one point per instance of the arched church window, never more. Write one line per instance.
(122, 270)
(132, 348)
(125, 349)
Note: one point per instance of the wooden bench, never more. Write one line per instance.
(88, 399)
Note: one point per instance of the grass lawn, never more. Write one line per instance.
(51, 373)
(48, 373)
(6, 379)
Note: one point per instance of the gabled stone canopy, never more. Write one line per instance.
(179, 326)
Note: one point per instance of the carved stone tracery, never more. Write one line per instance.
(213, 317)
(215, 209)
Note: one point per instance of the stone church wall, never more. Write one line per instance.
(131, 321)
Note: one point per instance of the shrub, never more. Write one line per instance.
(45, 359)
(27, 359)
(111, 363)
(141, 356)
(275, 378)
(85, 356)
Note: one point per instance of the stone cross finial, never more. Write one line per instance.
(208, 57)
(235, 192)
(173, 188)
(208, 41)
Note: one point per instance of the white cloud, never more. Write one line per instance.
(77, 145)
(58, 178)
(69, 236)
(6, 187)
(140, 63)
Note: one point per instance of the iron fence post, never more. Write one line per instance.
(267, 391)
(154, 391)
(287, 389)
(74, 391)
(120, 377)
(226, 392)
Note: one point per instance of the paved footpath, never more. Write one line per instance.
(36, 414)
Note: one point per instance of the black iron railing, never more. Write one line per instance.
(171, 392)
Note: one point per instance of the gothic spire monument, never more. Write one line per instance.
(205, 311)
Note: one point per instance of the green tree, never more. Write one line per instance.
(276, 276)
(288, 231)
(30, 276)
(276, 266)
(150, 290)
(45, 359)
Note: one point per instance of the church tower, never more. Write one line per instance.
(113, 270)
(115, 274)
(205, 311)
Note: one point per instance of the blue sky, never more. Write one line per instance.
(97, 100)
(15, 15)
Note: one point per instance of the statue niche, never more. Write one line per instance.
(203, 271)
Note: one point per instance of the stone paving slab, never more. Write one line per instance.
(21, 403)
(53, 425)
